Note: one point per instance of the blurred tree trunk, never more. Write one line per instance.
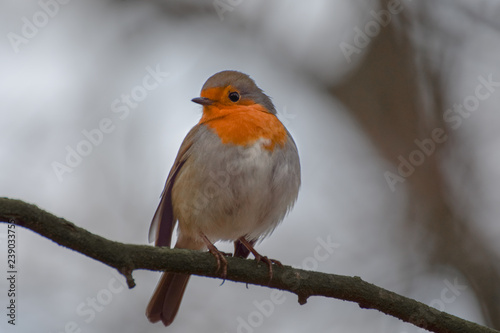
(397, 96)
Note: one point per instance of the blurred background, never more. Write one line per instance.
(393, 105)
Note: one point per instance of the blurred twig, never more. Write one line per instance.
(128, 257)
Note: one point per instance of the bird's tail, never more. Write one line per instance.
(167, 298)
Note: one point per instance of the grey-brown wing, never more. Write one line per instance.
(162, 226)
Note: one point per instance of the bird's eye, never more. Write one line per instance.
(234, 96)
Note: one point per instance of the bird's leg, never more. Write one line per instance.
(219, 256)
(259, 257)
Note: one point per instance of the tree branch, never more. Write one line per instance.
(128, 257)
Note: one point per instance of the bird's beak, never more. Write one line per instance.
(202, 100)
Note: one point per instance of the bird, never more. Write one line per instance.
(235, 178)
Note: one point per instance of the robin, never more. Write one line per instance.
(235, 177)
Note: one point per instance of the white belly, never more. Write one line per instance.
(242, 192)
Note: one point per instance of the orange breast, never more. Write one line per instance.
(244, 124)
